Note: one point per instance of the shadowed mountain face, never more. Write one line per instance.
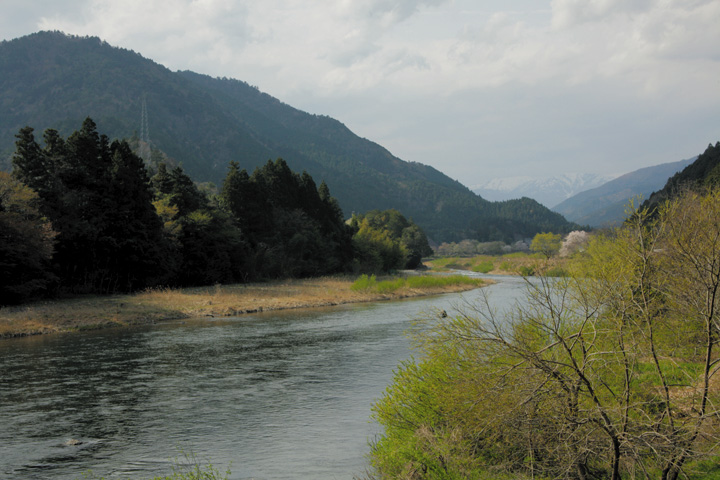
(605, 205)
(52, 80)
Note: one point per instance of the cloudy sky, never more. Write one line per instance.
(479, 89)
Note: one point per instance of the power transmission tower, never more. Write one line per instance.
(144, 146)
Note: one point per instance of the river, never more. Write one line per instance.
(283, 395)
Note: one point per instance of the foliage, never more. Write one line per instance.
(602, 374)
(26, 243)
(526, 271)
(119, 230)
(483, 267)
(547, 244)
(97, 196)
(472, 247)
(386, 240)
(295, 228)
(364, 282)
(703, 172)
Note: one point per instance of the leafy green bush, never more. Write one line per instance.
(484, 267)
(556, 272)
(389, 286)
(526, 271)
(364, 283)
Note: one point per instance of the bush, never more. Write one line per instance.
(484, 267)
(526, 271)
(364, 283)
(556, 272)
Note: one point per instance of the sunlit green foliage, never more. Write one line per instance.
(548, 244)
(386, 240)
(602, 374)
(483, 267)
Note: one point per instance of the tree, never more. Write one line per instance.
(26, 243)
(294, 228)
(574, 242)
(138, 252)
(97, 196)
(387, 240)
(546, 243)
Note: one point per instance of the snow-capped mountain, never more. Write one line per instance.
(547, 190)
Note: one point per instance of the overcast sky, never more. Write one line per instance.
(478, 89)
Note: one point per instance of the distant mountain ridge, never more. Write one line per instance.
(53, 80)
(548, 191)
(605, 205)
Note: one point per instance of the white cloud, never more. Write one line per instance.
(568, 13)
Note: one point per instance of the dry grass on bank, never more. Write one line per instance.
(91, 312)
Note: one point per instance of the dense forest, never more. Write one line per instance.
(84, 214)
(53, 80)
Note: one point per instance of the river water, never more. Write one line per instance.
(282, 395)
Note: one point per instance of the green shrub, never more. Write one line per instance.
(526, 271)
(389, 286)
(483, 267)
(364, 283)
(556, 272)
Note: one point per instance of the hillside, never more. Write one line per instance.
(52, 80)
(701, 173)
(605, 205)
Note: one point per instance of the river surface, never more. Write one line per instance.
(283, 395)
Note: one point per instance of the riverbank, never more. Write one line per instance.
(157, 305)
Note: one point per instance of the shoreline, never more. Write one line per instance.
(158, 305)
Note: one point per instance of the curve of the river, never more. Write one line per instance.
(282, 395)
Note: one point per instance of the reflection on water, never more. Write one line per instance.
(282, 395)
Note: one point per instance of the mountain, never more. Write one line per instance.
(546, 190)
(704, 171)
(53, 80)
(605, 205)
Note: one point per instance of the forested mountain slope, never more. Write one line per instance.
(605, 205)
(703, 172)
(52, 80)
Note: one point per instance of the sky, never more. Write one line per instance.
(479, 89)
